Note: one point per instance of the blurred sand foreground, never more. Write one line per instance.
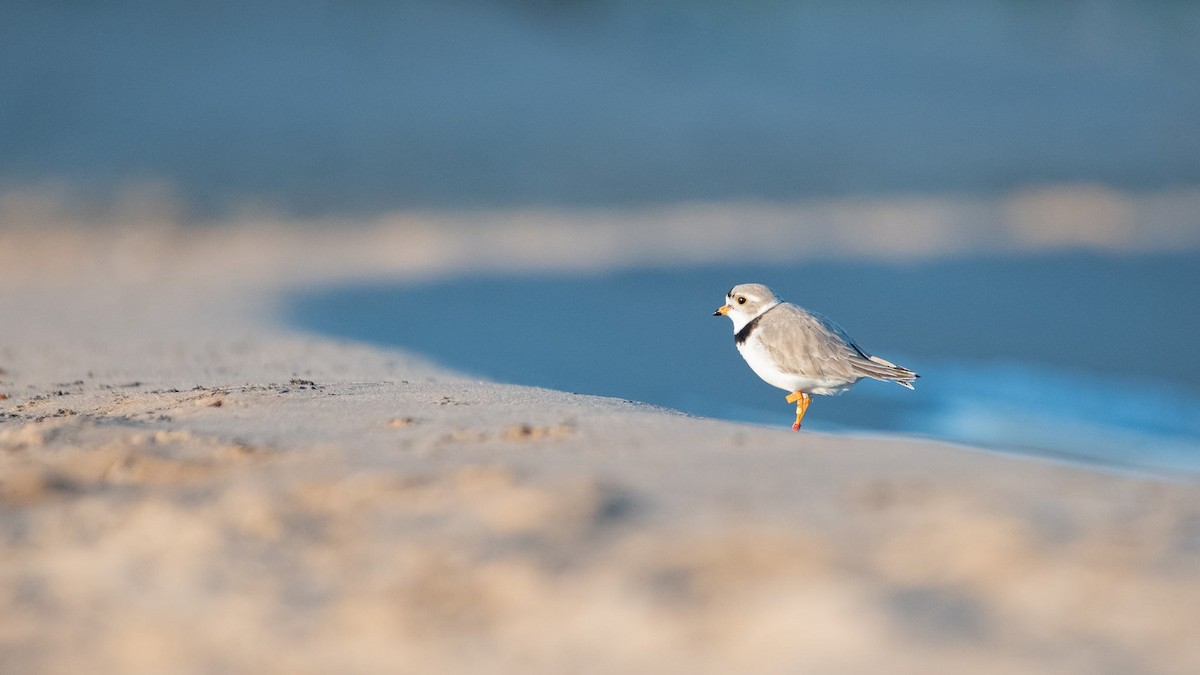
(186, 486)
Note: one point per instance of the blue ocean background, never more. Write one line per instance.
(322, 107)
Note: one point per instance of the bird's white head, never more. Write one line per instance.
(745, 302)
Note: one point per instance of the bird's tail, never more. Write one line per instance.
(882, 369)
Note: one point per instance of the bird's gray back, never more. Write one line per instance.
(806, 343)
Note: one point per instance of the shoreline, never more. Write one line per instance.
(268, 500)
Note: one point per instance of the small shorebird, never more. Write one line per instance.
(800, 351)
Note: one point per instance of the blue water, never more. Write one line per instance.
(1074, 356)
(332, 107)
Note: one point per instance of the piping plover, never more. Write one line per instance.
(800, 351)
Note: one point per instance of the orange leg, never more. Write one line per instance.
(801, 400)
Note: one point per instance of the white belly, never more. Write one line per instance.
(762, 365)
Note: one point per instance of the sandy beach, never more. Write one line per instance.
(378, 337)
(189, 484)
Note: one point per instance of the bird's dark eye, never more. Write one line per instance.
(742, 300)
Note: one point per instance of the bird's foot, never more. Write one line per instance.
(801, 400)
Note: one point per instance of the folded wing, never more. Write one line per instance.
(806, 343)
